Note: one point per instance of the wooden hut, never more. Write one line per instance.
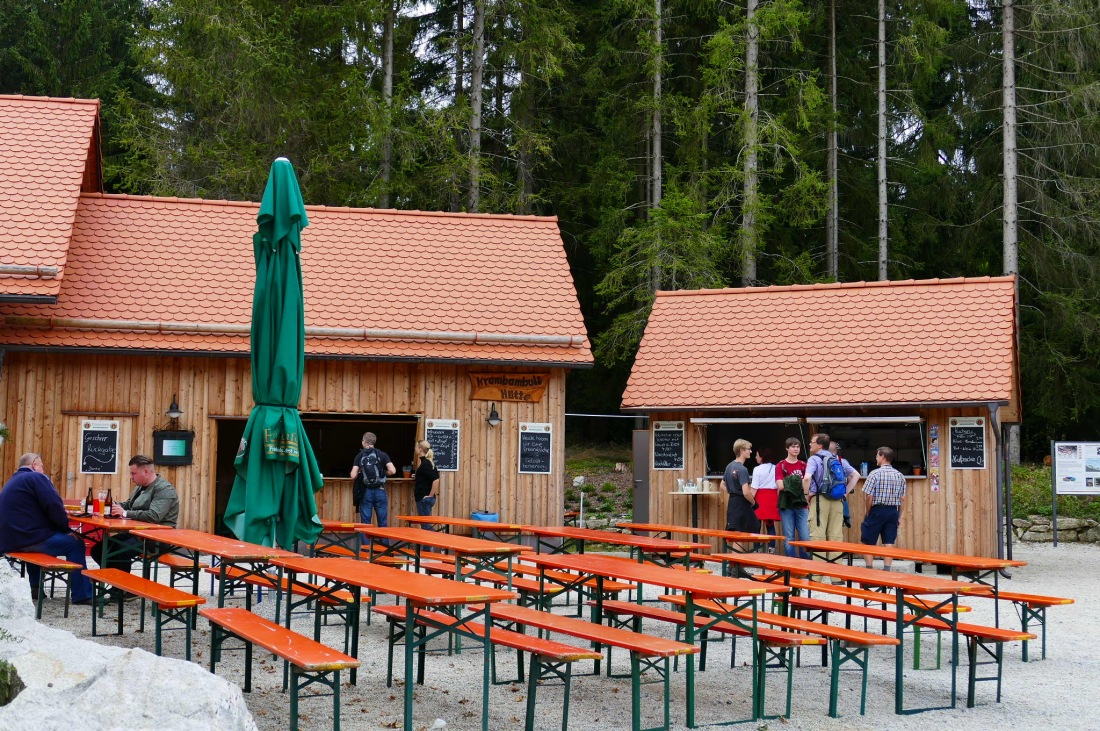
(113, 307)
(929, 368)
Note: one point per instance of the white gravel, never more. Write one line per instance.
(1056, 693)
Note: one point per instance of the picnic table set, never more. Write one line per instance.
(492, 594)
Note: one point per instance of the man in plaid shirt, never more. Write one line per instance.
(885, 491)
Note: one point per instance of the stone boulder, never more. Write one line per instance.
(76, 683)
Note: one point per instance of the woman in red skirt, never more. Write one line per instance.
(765, 491)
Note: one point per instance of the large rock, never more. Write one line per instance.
(1070, 524)
(76, 683)
(1038, 536)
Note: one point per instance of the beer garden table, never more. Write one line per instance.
(418, 591)
(730, 538)
(472, 555)
(640, 546)
(507, 532)
(903, 585)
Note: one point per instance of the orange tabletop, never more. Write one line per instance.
(458, 544)
(477, 525)
(642, 544)
(728, 535)
(229, 549)
(115, 525)
(340, 526)
(956, 561)
(908, 583)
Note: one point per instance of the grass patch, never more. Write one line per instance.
(1031, 493)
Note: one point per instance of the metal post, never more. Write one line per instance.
(1054, 492)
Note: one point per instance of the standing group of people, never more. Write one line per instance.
(796, 494)
(33, 519)
(372, 466)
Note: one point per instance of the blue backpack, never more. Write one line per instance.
(834, 483)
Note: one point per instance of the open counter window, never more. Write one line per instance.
(860, 437)
(722, 432)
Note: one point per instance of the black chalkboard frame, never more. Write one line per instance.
(673, 461)
(956, 428)
(436, 430)
(540, 432)
(106, 431)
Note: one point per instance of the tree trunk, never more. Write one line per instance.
(656, 154)
(749, 234)
(525, 110)
(477, 72)
(832, 216)
(1010, 212)
(460, 56)
(387, 102)
(883, 241)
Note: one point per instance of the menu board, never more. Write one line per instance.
(98, 447)
(668, 445)
(1076, 468)
(535, 442)
(967, 437)
(442, 434)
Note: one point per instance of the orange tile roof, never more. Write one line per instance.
(44, 146)
(165, 260)
(931, 341)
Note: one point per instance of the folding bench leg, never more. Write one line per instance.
(841, 654)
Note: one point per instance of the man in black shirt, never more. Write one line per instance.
(368, 473)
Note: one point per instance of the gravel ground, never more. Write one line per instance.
(1044, 694)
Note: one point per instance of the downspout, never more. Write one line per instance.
(998, 462)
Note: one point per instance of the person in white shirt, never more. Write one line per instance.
(765, 491)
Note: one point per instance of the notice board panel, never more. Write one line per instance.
(535, 446)
(1076, 468)
(443, 435)
(967, 442)
(98, 447)
(668, 445)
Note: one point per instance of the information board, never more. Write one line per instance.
(535, 443)
(1076, 468)
(967, 437)
(98, 447)
(668, 445)
(442, 434)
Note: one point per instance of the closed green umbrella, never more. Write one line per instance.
(277, 474)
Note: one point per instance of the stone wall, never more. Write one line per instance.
(1038, 529)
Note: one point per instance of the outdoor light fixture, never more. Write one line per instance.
(494, 416)
(173, 411)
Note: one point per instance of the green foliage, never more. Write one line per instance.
(1031, 495)
(608, 487)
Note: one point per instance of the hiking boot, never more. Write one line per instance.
(83, 602)
(34, 593)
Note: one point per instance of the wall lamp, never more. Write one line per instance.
(174, 412)
(494, 416)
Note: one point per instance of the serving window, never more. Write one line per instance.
(721, 433)
(860, 438)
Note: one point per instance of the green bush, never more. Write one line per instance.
(608, 487)
(572, 495)
(1031, 492)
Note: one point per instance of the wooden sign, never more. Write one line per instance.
(442, 434)
(668, 445)
(98, 447)
(524, 387)
(967, 443)
(535, 443)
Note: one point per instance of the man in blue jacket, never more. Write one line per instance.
(33, 519)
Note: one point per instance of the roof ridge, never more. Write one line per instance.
(836, 285)
(330, 209)
(61, 99)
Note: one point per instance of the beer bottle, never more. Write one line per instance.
(107, 504)
(89, 502)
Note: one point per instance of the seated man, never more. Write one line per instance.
(33, 519)
(154, 501)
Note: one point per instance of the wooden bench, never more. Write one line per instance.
(179, 566)
(977, 636)
(169, 604)
(845, 645)
(528, 590)
(1033, 607)
(548, 659)
(646, 652)
(330, 603)
(49, 569)
(364, 555)
(309, 661)
(775, 648)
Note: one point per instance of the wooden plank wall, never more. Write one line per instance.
(960, 518)
(44, 395)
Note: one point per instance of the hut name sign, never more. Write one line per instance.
(443, 434)
(522, 387)
(668, 445)
(98, 447)
(967, 438)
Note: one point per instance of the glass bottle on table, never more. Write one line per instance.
(89, 503)
(108, 504)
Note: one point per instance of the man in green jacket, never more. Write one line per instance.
(153, 501)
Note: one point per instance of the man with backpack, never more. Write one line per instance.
(828, 480)
(368, 474)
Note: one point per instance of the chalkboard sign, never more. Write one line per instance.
(668, 445)
(967, 443)
(535, 441)
(442, 434)
(98, 447)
